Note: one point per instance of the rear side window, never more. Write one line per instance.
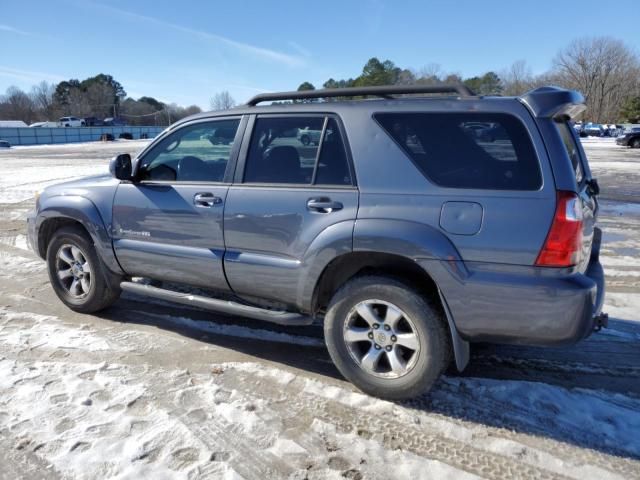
(570, 146)
(490, 151)
(297, 150)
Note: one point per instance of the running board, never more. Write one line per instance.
(225, 306)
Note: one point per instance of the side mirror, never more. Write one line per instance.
(120, 166)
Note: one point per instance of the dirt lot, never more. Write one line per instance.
(151, 390)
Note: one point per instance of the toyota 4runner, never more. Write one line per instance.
(415, 225)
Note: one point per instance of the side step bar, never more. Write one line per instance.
(225, 306)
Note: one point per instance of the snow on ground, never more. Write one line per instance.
(149, 390)
(36, 167)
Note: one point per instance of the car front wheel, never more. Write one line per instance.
(76, 273)
(635, 143)
(386, 338)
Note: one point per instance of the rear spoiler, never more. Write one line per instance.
(554, 102)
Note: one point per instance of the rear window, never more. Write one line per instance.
(570, 146)
(490, 151)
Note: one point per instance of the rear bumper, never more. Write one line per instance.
(524, 305)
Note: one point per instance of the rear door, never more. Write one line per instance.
(287, 192)
(167, 225)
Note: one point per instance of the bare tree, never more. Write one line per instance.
(604, 69)
(79, 105)
(17, 105)
(517, 79)
(100, 97)
(222, 101)
(42, 98)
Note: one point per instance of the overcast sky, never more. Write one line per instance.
(185, 51)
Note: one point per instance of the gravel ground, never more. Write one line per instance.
(152, 390)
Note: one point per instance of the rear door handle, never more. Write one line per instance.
(323, 205)
(206, 199)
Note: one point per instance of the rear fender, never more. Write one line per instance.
(418, 242)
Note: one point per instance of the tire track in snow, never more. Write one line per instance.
(394, 434)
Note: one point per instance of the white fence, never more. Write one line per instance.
(43, 136)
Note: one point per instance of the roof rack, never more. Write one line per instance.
(384, 91)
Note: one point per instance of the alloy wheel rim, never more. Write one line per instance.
(73, 271)
(381, 338)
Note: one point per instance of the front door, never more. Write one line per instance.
(296, 185)
(167, 225)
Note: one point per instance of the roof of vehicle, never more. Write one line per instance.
(12, 123)
(542, 102)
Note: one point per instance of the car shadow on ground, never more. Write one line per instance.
(605, 365)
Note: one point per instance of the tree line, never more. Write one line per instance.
(100, 96)
(603, 69)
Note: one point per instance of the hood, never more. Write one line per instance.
(99, 189)
(83, 187)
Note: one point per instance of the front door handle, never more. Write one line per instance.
(206, 199)
(323, 205)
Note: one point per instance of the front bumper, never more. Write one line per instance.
(32, 234)
(621, 141)
(524, 305)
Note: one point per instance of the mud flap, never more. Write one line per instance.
(461, 349)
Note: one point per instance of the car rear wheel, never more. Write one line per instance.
(76, 273)
(386, 338)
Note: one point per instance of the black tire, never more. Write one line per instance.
(432, 358)
(104, 286)
(635, 143)
(305, 140)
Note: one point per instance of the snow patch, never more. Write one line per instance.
(36, 331)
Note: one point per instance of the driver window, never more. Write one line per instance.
(195, 153)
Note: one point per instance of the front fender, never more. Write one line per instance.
(85, 212)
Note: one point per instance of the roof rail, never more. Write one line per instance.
(383, 91)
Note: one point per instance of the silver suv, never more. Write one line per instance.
(415, 226)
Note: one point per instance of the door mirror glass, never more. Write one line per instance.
(120, 166)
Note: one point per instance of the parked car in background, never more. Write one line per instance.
(71, 122)
(114, 122)
(630, 138)
(594, 130)
(308, 136)
(611, 130)
(12, 124)
(578, 127)
(44, 125)
(93, 122)
(4, 144)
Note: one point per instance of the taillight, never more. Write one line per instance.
(563, 245)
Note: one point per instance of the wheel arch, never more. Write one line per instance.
(351, 265)
(60, 211)
(345, 267)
